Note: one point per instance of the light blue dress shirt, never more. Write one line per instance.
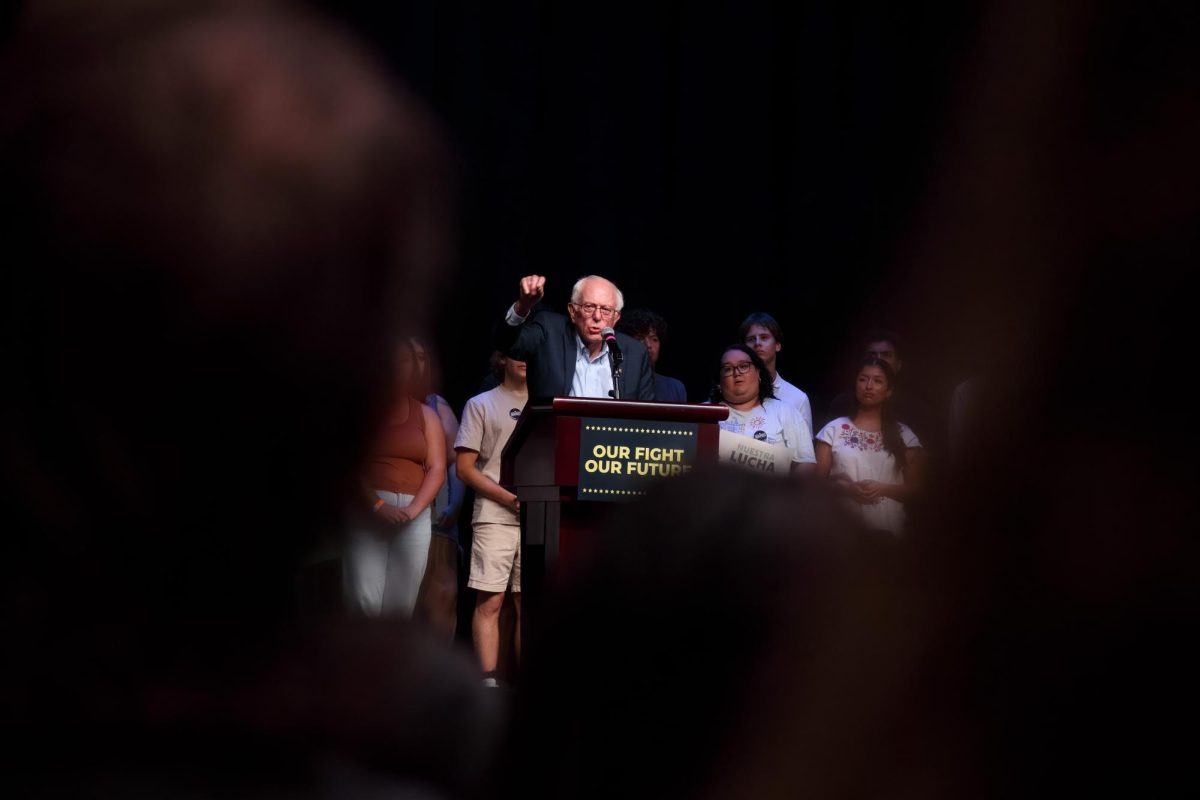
(593, 377)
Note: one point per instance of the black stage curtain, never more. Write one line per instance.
(712, 160)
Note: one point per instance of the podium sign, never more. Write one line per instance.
(569, 457)
(619, 459)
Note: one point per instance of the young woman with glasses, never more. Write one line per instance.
(744, 385)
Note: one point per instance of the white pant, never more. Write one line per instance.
(383, 564)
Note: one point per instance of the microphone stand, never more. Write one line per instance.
(615, 357)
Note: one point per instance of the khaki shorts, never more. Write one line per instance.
(495, 557)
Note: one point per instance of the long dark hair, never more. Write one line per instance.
(893, 442)
(766, 384)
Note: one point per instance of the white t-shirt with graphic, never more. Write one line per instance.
(487, 422)
(860, 456)
(774, 422)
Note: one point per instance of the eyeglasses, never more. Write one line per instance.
(741, 368)
(590, 309)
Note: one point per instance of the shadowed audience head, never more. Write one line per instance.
(739, 646)
(215, 217)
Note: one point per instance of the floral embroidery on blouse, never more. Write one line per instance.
(855, 439)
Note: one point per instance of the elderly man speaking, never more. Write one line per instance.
(575, 357)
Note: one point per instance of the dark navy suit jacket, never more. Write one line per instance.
(546, 343)
(669, 390)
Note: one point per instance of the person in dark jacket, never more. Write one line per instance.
(568, 356)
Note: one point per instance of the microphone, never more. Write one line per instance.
(610, 338)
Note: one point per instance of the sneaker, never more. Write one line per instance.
(491, 683)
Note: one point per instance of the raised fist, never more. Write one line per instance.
(533, 288)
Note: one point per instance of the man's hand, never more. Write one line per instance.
(533, 288)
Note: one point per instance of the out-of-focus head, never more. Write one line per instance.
(755, 595)
(648, 328)
(873, 383)
(742, 377)
(218, 220)
(763, 334)
(596, 304)
(218, 217)
(884, 345)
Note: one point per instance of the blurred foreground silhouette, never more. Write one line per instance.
(217, 219)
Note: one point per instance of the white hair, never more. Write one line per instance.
(577, 290)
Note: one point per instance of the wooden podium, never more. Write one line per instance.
(570, 458)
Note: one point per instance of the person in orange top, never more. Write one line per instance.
(385, 556)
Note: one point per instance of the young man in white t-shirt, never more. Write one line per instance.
(488, 421)
(763, 334)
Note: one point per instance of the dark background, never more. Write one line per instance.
(711, 160)
(1017, 180)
